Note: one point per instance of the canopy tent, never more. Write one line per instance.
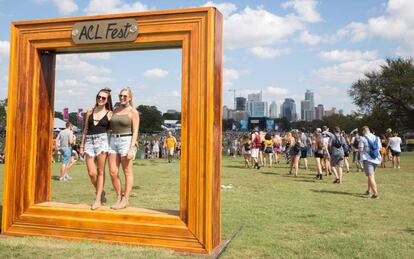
(59, 124)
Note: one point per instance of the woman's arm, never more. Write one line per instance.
(135, 128)
(85, 130)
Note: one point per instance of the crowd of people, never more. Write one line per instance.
(330, 149)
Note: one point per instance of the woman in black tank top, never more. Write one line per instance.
(94, 143)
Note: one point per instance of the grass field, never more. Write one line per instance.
(283, 217)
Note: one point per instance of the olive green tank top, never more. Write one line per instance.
(120, 124)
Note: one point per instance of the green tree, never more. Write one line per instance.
(389, 91)
(150, 118)
(59, 115)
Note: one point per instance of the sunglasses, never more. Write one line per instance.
(103, 98)
(122, 96)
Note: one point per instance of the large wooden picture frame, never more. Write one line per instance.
(27, 209)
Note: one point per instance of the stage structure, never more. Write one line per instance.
(27, 209)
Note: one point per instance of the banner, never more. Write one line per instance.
(270, 125)
(243, 125)
(79, 117)
(66, 114)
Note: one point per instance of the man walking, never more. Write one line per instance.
(336, 147)
(170, 143)
(65, 140)
(369, 147)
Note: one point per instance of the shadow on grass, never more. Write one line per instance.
(306, 180)
(409, 230)
(269, 173)
(359, 195)
(235, 166)
(55, 177)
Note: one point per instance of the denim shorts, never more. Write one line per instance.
(120, 145)
(369, 168)
(96, 144)
(66, 155)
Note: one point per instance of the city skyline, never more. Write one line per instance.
(279, 47)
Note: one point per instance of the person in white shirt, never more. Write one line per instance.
(394, 143)
(370, 161)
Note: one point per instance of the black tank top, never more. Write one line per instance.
(101, 127)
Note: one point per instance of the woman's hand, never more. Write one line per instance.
(131, 154)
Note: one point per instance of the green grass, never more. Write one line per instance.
(283, 217)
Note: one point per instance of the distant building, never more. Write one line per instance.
(240, 104)
(255, 106)
(319, 112)
(238, 115)
(226, 113)
(273, 110)
(331, 112)
(306, 110)
(254, 97)
(307, 107)
(341, 112)
(288, 109)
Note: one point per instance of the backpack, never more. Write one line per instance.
(257, 141)
(374, 149)
(337, 142)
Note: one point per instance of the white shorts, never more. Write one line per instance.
(255, 152)
(96, 144)
(120, 145)
(171, 151)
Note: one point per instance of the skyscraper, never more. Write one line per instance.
(240, 104)
(288, 109)
(273, 110)
(319, 112)
(307, 110)
(255, 106)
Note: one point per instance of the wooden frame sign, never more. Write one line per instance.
(27, 206)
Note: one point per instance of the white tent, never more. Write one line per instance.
(59, 125)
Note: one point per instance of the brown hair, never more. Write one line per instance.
(108, 104)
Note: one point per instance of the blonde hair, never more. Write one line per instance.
(131, 95)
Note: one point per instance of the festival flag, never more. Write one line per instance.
(79, 116)
(66, 114)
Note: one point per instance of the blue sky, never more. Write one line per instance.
(279, 47)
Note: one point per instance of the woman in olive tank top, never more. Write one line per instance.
(124, 127)
(94, 144)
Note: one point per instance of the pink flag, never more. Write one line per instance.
(66, 114)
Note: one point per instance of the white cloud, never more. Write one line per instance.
(309, 38)
(347, 72)
(4, 49)
(98, 79)
(225, 8)
(156, 73)
(348, 55)
(396, 24)
(268, 53)
(73, 64)
(257, 27)
(114, 6)
(97, 56)
(230, 75)
(275, 91)
(65, 7)
(306, 9)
